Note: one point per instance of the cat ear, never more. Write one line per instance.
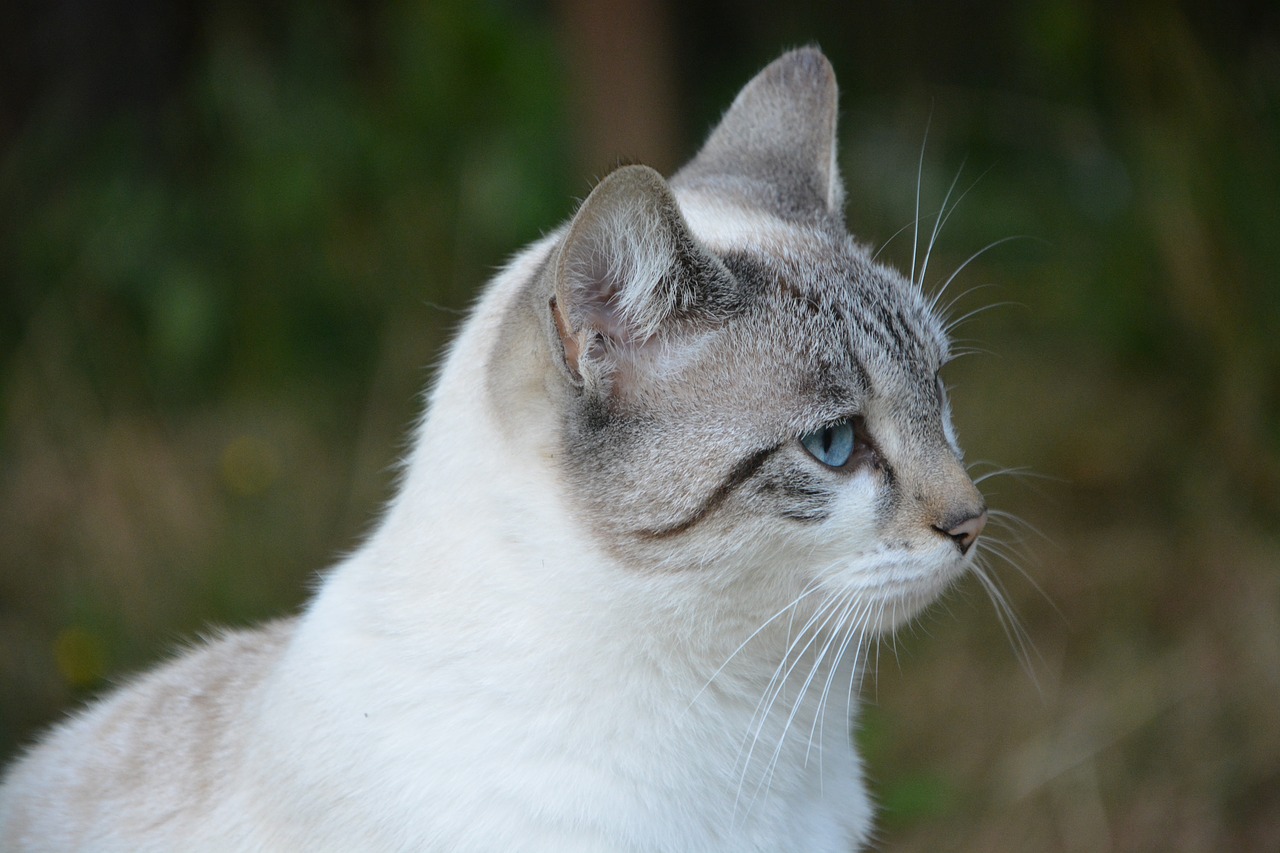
(626, 267)
(775, 148)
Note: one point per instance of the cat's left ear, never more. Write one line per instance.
(775, 147)
(627, 268)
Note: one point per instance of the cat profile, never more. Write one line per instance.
(686, 459)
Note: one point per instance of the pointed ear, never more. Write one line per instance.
(776, 146)
(626, 268)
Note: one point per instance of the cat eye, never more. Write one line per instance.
(833, 445)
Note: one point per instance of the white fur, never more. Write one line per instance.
(721, 225)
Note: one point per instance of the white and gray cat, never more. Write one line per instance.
(687, 458)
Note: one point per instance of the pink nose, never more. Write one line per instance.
(966, 531)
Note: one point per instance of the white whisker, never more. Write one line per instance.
(942, 221)
(771, 767)
(965, 351)
(811, 588)
(1018, 637)
(945, 310)
(886, 243)
(973, 258)
(952, 325)
(1015, 523)
(997, 549)
(850, 635)
(765, 707)
(915, 234)
(938, 221)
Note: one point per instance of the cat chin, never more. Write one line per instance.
(895, 611)
(896, 588)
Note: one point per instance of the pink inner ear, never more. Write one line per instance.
(567, 339)
(600, 329)
(606, 322)
(601, 321)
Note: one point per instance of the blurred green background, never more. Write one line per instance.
(234, 236)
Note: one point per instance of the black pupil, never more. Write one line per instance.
(828, 435)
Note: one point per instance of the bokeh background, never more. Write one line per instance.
(234, 236)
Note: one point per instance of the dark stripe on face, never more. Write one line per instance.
(861, 375)
(808, 300)
(739, 475)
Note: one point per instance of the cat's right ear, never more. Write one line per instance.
(626, 268)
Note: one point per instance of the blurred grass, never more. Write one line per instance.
(218, 311)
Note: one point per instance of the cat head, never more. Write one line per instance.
(739, 386)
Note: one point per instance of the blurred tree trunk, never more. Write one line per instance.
(619, 57)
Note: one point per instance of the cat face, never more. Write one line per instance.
(740, 386)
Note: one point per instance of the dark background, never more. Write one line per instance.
(234, 236)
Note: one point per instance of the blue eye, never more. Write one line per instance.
(832, 445)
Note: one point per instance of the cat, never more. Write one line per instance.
(687, 458)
